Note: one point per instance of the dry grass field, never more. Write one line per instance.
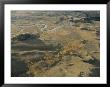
(55, 43)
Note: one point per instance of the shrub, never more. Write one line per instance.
(95, 72)
(26, 36)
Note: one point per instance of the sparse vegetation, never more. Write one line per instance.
(55, 43)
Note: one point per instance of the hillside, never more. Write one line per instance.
(55, 43)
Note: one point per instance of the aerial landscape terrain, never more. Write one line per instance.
(55, 43)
